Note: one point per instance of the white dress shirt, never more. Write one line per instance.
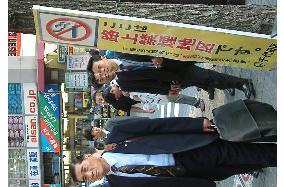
(121, 159)
(151, 100)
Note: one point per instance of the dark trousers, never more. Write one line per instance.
(193, 75)
(205, 78)
(222, 159)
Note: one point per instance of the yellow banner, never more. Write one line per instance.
(186, 44)
(156, 38)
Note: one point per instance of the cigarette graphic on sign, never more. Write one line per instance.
(66, 29)
(74, 31)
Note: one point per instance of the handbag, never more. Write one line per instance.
(235, 122)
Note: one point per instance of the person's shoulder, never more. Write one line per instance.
(125, 99)
(122, 104)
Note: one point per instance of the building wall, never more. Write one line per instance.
(22, 69)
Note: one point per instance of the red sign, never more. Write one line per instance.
(30, 98)
(49, 136)
(14, 44)
(32, 131)
(68, 29)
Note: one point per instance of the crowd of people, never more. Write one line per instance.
(179, 151)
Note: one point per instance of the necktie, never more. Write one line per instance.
(128, 67)
(162, 171)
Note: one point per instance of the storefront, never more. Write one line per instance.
(23, 136)
(46, 117)
(28, 109)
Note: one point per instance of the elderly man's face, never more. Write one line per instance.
(103, 78)
(104, 66)
(91, 169)
(104, 70)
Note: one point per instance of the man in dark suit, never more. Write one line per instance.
(124, 103)
(138, 73)
(170, 152)
(92, 133)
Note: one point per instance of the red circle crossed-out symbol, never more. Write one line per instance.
(59, 34)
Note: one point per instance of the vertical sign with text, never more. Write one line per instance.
(14, 44)
(49, 121)
(34, 183)
(32, 131)
(33, 160)
(30, 98)
(77, 62)
(76, 79)
(62, 52)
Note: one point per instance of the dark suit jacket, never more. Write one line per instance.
(120, 120)
(157, 81)
(158, 136)
(123, 103)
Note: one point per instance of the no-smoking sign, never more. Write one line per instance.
(68, 29)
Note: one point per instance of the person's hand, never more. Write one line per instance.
(208, 126)
(110, 147)
(173, 93)
(143, 102)
(151, 110)
(125, 93)
(157, 61)
(175, 89)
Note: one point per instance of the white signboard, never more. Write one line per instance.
(33, 160)
(76, 80)
(32, 131)
(30, 98)
(34, 183)
(77, 62)
(60, 28)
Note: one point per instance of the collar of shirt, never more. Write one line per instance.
(114, 81)
(106, 133)
(110, 160)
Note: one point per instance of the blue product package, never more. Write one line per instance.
(11, 88)
(18, 88)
